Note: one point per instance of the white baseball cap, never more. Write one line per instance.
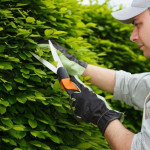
(127, 15)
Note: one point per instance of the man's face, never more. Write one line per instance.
(141, 32)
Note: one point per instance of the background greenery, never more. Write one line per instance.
(34, 110)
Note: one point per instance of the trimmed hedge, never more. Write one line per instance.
(34, 110)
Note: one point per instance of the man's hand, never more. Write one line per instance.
(91, 108)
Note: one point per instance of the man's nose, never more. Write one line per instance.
(134, 35)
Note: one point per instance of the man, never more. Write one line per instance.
(133, 89)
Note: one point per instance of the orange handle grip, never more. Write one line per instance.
(65, 81)
(67, 84)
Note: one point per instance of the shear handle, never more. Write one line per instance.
(65, 81)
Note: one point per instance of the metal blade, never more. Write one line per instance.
(45, 62)
(55, 55)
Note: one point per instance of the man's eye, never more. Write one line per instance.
(136, 24)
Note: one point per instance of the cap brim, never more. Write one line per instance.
(127, 15)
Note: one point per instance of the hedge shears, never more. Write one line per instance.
(63, 76)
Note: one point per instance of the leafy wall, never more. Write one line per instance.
(34, 110)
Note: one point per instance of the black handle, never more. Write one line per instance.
(62, 73)
(65, 81)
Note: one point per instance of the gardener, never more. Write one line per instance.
(133, 89)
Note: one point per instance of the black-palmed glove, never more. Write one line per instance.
(92, 108)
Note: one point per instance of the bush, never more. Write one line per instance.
(35, 113)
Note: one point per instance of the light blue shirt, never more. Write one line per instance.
(134, 90)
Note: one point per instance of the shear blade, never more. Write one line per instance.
(46, 63)
(55, 55)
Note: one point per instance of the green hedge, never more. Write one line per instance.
(34, 110)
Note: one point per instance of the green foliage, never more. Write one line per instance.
(34, 110)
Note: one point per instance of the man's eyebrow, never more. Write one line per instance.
(134, 21)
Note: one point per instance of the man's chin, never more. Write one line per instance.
(147, 55)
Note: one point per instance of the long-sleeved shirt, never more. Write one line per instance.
(134, 90)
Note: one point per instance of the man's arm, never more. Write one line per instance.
(118, 137)
(101, 77)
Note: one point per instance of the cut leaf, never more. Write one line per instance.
(32, 123)
(10, 141)
(7, 122)
(48, 32)
(40, 145)
(7, 86)
(6, 66)
(30, 20)
(2, 109)
(19, 127)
